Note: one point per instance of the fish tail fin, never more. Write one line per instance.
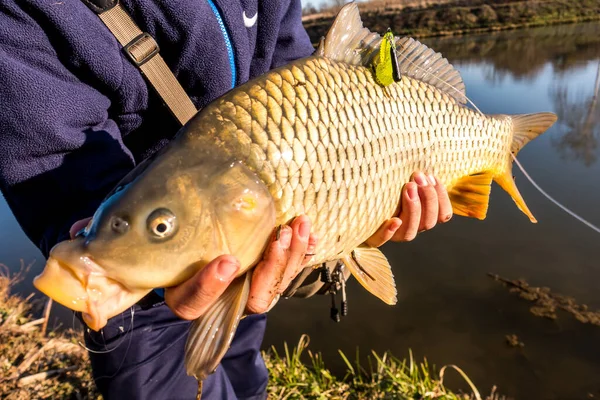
(211, 334)
(470, 194)
(526, 127)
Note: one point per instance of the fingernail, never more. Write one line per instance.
(412, 192)
(285, 237)
(431, 180)
(273, 302)
(304, 230)
(395, 225)
(420, 179)
(227, 268)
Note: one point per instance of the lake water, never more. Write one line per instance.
(449, 310)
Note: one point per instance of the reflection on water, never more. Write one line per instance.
(580, 122)
(523, 54)
(448, 309)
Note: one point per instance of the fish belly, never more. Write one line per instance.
(331, 143)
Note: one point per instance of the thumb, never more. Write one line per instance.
(192, 298)
(79, 225)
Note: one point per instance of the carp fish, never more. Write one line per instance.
(319, 136)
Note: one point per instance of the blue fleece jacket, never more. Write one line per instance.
(76, 115)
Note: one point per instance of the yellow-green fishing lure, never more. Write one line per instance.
(386, 68)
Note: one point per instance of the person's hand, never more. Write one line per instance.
(424, 203)
(290, 249)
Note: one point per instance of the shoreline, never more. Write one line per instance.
(458, 18)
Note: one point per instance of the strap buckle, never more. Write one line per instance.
(141, 49)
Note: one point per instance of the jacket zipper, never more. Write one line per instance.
(215, 10)
(228, 44)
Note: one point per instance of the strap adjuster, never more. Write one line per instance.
(141, 49)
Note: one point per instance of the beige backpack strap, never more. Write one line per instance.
(142, 50)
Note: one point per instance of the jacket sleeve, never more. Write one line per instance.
(59, 152)
(293, 41)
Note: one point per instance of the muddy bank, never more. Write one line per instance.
(459, 17)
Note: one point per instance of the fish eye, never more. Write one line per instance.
(162, 223)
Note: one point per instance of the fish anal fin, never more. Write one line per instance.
(506, 182)
(212, 333)
(470, 195)
(373, 271)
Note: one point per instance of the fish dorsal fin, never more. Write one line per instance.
(348, 41)
(420, 62)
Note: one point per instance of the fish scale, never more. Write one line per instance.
(339, 147)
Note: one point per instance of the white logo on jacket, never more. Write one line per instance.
(249, 22)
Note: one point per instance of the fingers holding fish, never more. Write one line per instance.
(310, 251)
(424, 203)
(445, 206)
(269, 271)
(192, 298)
(298, 249)
(282, 261)
(78, 225)
(429, 200)
(410, 214)
(385, 232)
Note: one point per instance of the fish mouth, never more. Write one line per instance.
(85, 287)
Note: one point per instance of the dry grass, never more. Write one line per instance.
(34, 365)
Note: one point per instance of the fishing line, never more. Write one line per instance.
(102, 333)
(564, 208)
(124, 354)
(128, 333)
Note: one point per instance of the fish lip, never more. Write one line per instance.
(82, 287)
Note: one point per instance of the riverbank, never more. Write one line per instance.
(456, 17)
(55, 366)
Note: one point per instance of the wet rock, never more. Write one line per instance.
(513, 341)
(547, 303)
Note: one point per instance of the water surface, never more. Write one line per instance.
(449, 310)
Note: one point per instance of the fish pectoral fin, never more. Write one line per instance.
(211, 334)
(470, 196)
(372, 269)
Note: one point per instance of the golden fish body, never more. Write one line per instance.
(331, 143)
(318, 137)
